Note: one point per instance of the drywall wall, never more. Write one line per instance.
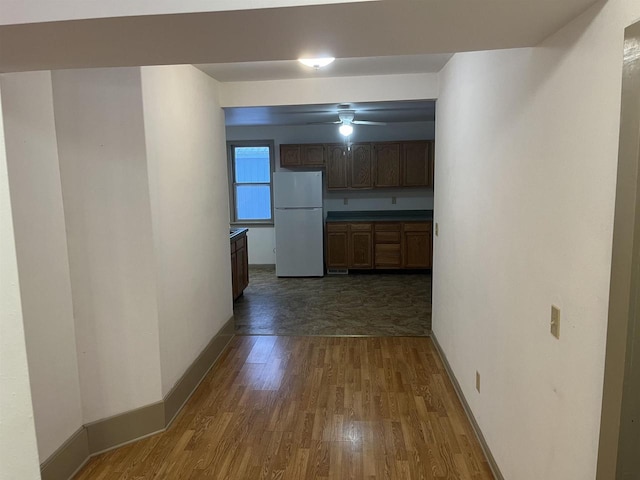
(526, 157)
(19, 452)
(371, 88)
(43, 264)
(262, 239)
(187, 164)
(261, 244)
(105, 191)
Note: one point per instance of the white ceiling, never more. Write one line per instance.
(35, 11)
(341, 67)
(343, 30)
(389, 112)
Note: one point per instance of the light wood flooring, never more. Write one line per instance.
(378, 304)
(312, 408)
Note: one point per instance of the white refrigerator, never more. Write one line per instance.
(298, 224)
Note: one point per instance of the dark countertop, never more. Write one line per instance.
(381, 216)
(237, 232)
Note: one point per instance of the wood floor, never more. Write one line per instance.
(312, 407)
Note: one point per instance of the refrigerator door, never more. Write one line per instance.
(297, 189)
(299, 235)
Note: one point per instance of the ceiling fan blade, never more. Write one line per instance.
(324, 123)
(365, 122)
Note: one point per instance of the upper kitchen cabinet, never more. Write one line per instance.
(386, 164)
(366, 165)
(361, 166)
(290, 156)
(313, 155)
(417, 164)
(337, 167)
(305, 155)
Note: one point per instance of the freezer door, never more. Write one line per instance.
(299, 243)
(297, 189)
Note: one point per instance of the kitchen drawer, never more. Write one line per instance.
(387, 227)
(387, 237)
(416, 226)
(361, 227)
(238, 243)
(337, 227)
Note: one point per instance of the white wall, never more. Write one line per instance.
(371, 88)
(19, 451)
(187, 162)
(262, 239)
(526, 151)
(108, 216)
(43, 264)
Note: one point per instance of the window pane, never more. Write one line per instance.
(253, 202)
(252, 165)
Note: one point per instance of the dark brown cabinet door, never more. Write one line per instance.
(290, 156)
(242, 271)
(361, 166)
(387, 164)
(337, 245)
(417, 164)
(312, 155)
(336, 167)
(417, 245)
(239, 265)
(234, 275)
(360, 245)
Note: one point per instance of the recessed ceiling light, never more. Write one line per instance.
(316, 62)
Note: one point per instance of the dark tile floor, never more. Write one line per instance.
(380, 304)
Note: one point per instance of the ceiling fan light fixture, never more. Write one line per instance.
(346, 130)
(316, 62)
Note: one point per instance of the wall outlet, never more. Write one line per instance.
(345, 201)
(393, 200)
(478, 381)
(555, 321)
(436, 229)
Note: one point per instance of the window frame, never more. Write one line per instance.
(233, 220)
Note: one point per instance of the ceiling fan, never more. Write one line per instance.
(346, 118)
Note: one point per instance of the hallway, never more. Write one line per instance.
(312, 407)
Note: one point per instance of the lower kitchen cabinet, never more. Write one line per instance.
(378, 245)
(349, 245)
(388, 245)
(416, 240)
(239, 264)
(360, 245)
(337, 254)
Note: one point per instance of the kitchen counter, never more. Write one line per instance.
(381, 216)
(235, 233)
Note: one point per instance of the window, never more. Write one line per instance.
(250, 173)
